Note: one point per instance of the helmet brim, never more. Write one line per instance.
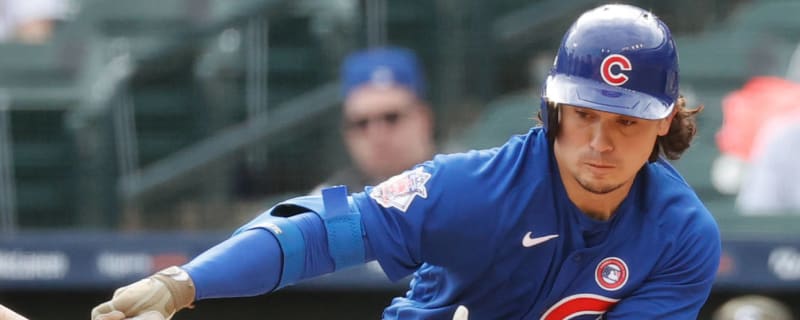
(581, 92)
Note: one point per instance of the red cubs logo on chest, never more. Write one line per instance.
(612, 77)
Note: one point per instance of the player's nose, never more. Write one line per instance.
(601, 140)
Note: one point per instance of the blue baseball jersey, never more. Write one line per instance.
(492, 235)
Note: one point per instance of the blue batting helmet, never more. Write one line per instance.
(615, 58)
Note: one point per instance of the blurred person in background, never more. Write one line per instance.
(753, 307)
(30, 21)
(772, 182)
(758, 142)
(387, 125)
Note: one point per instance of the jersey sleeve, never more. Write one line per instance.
(434, 213)
(681, 283)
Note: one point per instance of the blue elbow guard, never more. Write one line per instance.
(342, 222)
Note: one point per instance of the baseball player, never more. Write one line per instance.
(581, 218)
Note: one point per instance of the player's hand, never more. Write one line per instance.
(157, 297)
(116, 315)
(7, 314)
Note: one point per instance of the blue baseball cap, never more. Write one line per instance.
(383, 67)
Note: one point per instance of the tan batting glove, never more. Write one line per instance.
(7, 314)
(157, 297)
(149, 315)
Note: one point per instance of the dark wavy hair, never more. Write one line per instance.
(672, 145)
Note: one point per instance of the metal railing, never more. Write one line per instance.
(225, 144)
(8, 214)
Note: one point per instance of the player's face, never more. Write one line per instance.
(602, 151)
(386, 130)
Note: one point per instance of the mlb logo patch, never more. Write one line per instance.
(611, 273)
(399, 191)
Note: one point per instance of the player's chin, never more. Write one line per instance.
(597, 185)
(597, 178)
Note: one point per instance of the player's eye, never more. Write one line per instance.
(582, 114)
(626, 122)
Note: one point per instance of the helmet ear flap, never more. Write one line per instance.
(553, 119)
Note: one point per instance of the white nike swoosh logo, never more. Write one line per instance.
(528, 242)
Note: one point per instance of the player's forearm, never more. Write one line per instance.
(246, 264)
(270, 252)
(251, 262)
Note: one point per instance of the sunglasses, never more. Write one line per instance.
(390, 119)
